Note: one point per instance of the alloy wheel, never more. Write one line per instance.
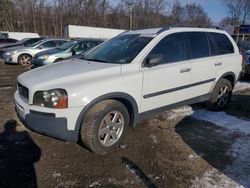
(25, 60)
(223, 96)
(111, 128)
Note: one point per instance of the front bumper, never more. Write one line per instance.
(9, 59)
(40, 62)
(57, 123)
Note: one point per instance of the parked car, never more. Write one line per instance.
(21, 43)
(4, 42)
(244, 46)
(68, 49)
(23, 56)
(246, 64)
(98, 97)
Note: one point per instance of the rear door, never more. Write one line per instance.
(225, 59)
(203, 71)
(167, 83)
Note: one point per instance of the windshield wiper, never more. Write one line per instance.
(98, 60)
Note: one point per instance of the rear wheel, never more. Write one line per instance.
(221, 95)
(104, 126)
(24, 59)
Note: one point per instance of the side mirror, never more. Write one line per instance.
(153, 60)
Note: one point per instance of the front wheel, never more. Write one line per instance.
(25, 59)
(104, 126)
(221, 95)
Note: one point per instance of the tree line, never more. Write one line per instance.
(48, 17)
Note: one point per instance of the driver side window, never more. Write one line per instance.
(49, 44)
(171, 49)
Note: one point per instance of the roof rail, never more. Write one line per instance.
(199, 26)
(163, 29)
(215, 27)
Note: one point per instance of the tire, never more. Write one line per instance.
(24, 59)
(221, 95)
(99, 132)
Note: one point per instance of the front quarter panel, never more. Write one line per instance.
(127, 83)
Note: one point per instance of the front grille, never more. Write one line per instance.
(23, 91)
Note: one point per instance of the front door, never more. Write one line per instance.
(167, 82)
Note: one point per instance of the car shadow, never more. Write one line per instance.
(18, 153)
(214, 143)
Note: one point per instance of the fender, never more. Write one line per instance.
(115, 95)
(229, 74)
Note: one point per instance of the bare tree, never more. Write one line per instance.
(239, 10)
(195, 16)
(48, 17)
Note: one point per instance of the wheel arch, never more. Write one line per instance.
(126, 99)
(24, 53)
(229, 76)
(58, 59)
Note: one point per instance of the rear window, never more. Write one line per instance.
(222, 44)
(198, 43)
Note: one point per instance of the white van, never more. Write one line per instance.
(18, 35)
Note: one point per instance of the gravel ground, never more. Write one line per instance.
(184, 147)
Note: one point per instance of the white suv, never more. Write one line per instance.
(95, 99)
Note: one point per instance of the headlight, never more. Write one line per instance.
(55, 98)
(44, 57)
(10, 53)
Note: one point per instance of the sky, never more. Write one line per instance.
(215, 9)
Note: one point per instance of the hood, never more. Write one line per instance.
(66, 74)
(48, 52)
(15, 48)
(9, 46)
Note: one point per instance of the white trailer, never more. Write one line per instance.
(18, 35)
(74, 31)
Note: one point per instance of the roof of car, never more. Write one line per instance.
(156, 31)
(88, 39)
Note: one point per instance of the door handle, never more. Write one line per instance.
(185, 70)
(218, 64)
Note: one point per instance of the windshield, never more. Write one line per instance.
(67, 45)
(22, 41)
(121, 49)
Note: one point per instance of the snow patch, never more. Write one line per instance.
(154, 138)
(5, 87)
(223, 120)
(239, 170)
(241, 86)
(180, 112)
(214, 179)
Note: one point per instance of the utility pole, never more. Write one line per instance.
(130, 16)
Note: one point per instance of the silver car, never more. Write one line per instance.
(24, 55)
